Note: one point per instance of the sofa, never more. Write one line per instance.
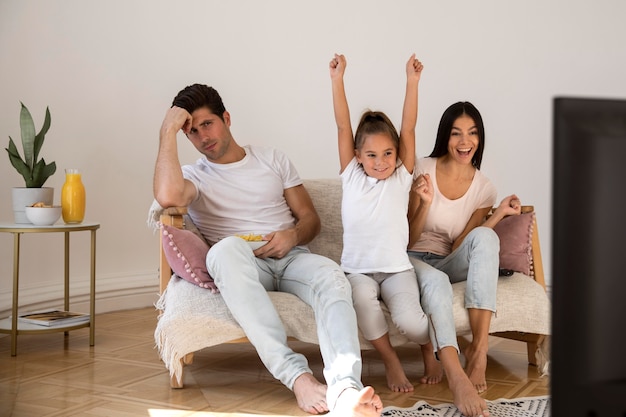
(193, 318)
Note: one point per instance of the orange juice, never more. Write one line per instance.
(73, 197)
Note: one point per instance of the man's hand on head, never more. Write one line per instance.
(176, 119)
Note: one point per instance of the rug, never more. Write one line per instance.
(503, 407)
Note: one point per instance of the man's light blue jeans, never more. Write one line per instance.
(476, 261)
(243, 280)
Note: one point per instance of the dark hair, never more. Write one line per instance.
(445, 128)
(373, 122)
(195, 96)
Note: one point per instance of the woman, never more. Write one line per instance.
(451, 239)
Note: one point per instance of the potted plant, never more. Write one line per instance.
(35, 171)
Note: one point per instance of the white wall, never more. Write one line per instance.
(108, 70)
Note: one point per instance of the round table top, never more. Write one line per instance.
(57, 227)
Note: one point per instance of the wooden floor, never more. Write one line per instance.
(56, 375)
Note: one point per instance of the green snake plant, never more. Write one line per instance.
(35, 171)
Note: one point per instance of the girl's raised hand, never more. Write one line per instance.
(337, 66)
(414, 68)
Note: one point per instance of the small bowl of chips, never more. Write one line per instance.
(40, 214)
(254, 240)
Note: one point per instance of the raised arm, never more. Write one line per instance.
(510, 206)
(170, 187)
(345, 136)
(406, 152)
(420, 199)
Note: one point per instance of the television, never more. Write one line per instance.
(588, 368)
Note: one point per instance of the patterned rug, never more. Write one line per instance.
(516, 407)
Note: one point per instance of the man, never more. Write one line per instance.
(238, 190)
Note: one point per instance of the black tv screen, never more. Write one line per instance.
(588, 376)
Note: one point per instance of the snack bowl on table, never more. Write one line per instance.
(43, 216)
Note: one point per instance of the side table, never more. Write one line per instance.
(12, 325)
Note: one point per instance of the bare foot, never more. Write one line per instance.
(476, 367)
(396, 378)
(433, 371)
(310, 394)
(466, 398)
(354, 403)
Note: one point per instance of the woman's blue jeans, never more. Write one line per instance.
(476, 261)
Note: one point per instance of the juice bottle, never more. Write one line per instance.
(73, 197)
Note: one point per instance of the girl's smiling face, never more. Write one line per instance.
(464, 140)
(378, 155)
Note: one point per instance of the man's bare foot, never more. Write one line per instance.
(354, 403)
(476, 367)
(310, 394)
(396, 378)
(433, 371)
(466, 398)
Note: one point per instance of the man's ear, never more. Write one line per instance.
(226, 117)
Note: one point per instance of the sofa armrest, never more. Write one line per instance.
(171, 216)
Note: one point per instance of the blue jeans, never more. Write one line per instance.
(243, 280)
(476, 261)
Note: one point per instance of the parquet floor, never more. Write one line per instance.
(61, 376)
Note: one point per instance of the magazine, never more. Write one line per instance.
(54, 318)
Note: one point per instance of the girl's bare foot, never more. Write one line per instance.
(396, 378)
(476, 367)
(310, 394)
(354, 403)
(433, 371)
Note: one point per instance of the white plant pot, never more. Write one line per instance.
(23, 196)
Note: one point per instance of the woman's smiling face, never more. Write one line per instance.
(464, 140)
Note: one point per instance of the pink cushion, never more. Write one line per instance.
(186, 254)
(516, 233)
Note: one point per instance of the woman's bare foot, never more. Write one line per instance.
(476, 367)
(466, 398)
(354, 403)
(433, 371)
(310, 394)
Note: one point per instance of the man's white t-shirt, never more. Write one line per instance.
(375, 223)
(447, 218)
(243, 197)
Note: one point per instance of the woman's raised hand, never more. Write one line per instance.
(510, 205)
(423, 187)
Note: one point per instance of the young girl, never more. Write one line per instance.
(377, 172)
(452, 240)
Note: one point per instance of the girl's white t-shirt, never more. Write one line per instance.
(447, 218)
(243, 197)
(375, 223)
